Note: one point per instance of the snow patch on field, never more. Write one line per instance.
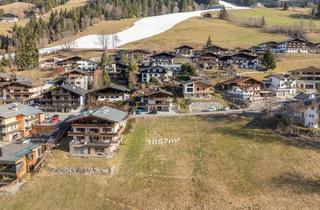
(142, 29)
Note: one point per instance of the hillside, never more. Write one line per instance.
(18, 8)
(195, 31)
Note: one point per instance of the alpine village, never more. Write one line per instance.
(145, 105)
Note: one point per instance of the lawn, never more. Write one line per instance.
(215, 163)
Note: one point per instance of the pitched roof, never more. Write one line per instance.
(14, 151)
(74, 89)
(158, 91)
(106, 113)
(163, 54)
(214, 47)
(78, 71)
(238, 80)
(185, 46)
(204, 81)
(309, 69)
(14, 109)
(113, 86)
(281, 76)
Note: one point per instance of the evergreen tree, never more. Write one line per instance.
(268, 60)
(105, 59)
(188, 69)
(106, 78)
(209, 42)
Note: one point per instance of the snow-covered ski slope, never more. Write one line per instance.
(143, 28)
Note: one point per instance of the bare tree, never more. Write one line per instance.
(68, 44)
(103, 41)
(115, 41)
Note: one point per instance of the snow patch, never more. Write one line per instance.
(142, 29)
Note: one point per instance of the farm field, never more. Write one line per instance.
(185, 163)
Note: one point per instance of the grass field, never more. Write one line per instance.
(222, 163)
(195, 31)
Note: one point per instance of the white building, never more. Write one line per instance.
(283, 86)
(306, 113)
(308, 78)
(157, 72)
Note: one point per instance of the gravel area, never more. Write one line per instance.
(205, 106)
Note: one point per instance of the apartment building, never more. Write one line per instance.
(17, 121)
(97, 133)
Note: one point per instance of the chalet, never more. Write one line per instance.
(50, 63)
(138, 53)
(308, 78)
(161, 59)
(22, 90)
(63, 98)
(9, 18)
(197, 89)
(295, 45)
(111, 93)
(207, 60)
(242, 89)
(283, 86)
(159, 73)
(157, 100)
(184, 51)
(78, 78)
(118, 73)
(246, 51)
(240, 60)
(97, 133)
(17, 121)
(79, 63)
(16, 160)
(263, 47)
(215, 49)
(306, 113)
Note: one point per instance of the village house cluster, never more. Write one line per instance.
(30, 117)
